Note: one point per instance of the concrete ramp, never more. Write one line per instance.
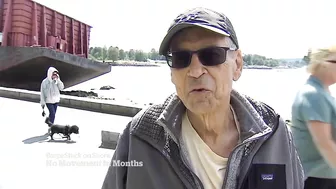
(26, 67)
(36, 161)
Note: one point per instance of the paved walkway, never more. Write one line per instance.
(29, 160)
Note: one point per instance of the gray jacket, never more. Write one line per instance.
(265, 159)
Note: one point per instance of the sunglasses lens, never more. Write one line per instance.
(212, 56)
(332, 61)
(181, 59)
(209, 57)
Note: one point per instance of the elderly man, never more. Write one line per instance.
(207, 135)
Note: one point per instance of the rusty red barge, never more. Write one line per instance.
(34, 37)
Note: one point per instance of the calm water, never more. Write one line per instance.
(152, 84)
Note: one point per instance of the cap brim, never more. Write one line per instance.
(166, 40)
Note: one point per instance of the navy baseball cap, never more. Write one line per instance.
(201, 17)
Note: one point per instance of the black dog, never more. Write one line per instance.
(66, 130)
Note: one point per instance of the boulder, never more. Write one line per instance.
(107, 87)
(79, 93)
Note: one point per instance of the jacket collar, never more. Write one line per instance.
(254, 117)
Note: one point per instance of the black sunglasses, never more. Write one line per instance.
(332, 61)
(210, 56)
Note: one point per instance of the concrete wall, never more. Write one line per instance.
(94, 105)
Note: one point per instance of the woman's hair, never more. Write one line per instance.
(318, 57)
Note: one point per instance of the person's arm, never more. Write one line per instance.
(42, 96)
(116, 175)
(60, 84)
(317, 113)
(322, 137)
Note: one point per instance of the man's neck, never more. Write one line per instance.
(218, 130)
(213, 124)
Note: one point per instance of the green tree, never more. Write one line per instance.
(140, 56)
(131, 54)
(104, 53)
(113, 53)
(122, 54)
(272, 62)
(259, 60)
(126, 55)
(153, 55)
(247, 59)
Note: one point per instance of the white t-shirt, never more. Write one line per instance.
(207, 165)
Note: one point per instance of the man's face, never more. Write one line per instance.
(216, 81)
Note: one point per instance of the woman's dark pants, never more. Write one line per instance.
(52, 111)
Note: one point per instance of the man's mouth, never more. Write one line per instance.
(199, 90)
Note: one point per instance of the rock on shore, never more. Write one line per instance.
(80, 93)
(93, 95)
(107, 87)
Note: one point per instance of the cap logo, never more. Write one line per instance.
(186, 18)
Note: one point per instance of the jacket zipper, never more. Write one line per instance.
(244, 143)
(199, 183)
(250, 164)
(173, 165)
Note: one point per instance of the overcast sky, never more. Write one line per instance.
(273, 28)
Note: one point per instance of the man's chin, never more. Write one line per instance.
(200, 107)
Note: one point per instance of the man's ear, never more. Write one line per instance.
(239, 65)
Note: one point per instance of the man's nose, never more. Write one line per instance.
(196, 68)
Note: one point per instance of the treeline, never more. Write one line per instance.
(114, 53)
(254, 59)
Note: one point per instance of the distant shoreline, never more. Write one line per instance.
(136, 64)
(160, 63)
(257, 67)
